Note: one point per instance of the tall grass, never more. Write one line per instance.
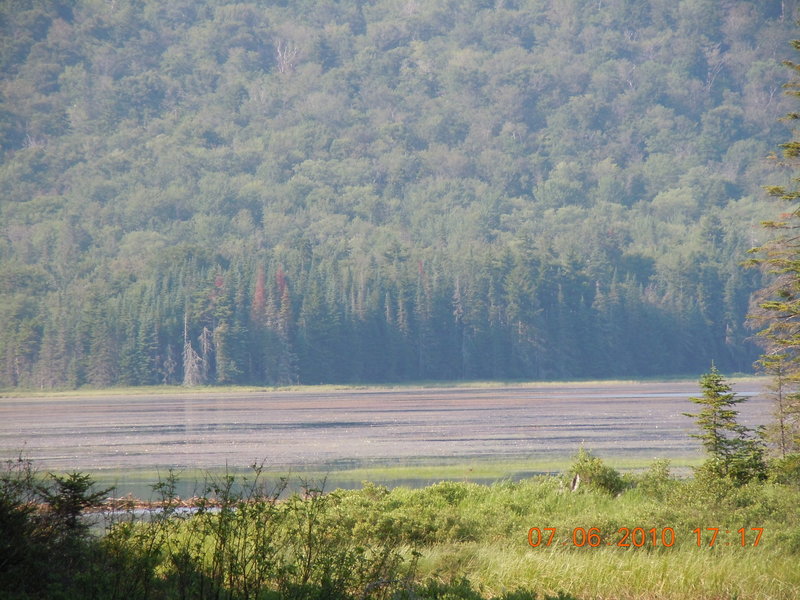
(681, 574)
(246, 539)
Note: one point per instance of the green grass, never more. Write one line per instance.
(483, 469)
(481, 532)
(453, 539)
(139, 481)
(157, 390)
(682, 574)
(478, 533)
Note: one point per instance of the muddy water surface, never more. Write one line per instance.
(333, 429)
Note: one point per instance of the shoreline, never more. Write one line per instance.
(179, 390)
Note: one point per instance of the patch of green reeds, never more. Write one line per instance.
(245, 538)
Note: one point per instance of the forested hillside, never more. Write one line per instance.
(197, 191)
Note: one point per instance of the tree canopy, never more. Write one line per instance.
(365, 190)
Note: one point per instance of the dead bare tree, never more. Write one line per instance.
(286, 55)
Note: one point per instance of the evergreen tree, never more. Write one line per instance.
(776, 307)
(784, 431)
(537, 169)
(102, 355)
(286, 367)
(733, 449)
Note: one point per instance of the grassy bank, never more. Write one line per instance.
(488, 540)
(447, 540)
(139, 482)
(160, 390)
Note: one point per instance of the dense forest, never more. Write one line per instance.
(198, 191)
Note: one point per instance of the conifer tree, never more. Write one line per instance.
(733, 449)
(102, 355)
(776, 307)
(287, 360)
(784, 431)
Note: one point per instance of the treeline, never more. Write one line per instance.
(508, 312)
(208, 192)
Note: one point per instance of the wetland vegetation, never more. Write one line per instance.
(447, 540)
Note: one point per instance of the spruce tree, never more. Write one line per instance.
(776, 307)
(784, 431)
(734, 450)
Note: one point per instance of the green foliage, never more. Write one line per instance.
(466, 190)
(244, 538)
(590, 471)
(657, 481)
(242, 542)
(454, 590)
(22, 543)
(785, 470)
(68, 496)
(775, 307)
(46, 549)
(733, 450)
(462, 589)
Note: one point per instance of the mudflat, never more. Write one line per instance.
(332, 429)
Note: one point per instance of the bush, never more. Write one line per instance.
(590, 471)
(657, 481)
(45, 548)
(786, 470)
(461, 589)
(67, 497)
(23, 547)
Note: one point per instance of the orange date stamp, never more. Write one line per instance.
(640, 537)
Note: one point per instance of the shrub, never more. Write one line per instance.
(656, 482)
(590, 471)
(462, 589)
(786, 470)
(45, 553)
(67, 497)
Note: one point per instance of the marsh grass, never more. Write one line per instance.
(614, 573)
(246, 538)
(481, 531)
(487, 469)
(159, 390)
(421, 474)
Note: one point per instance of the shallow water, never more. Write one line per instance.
(344, 429)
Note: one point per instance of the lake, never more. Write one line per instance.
(333, 430)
